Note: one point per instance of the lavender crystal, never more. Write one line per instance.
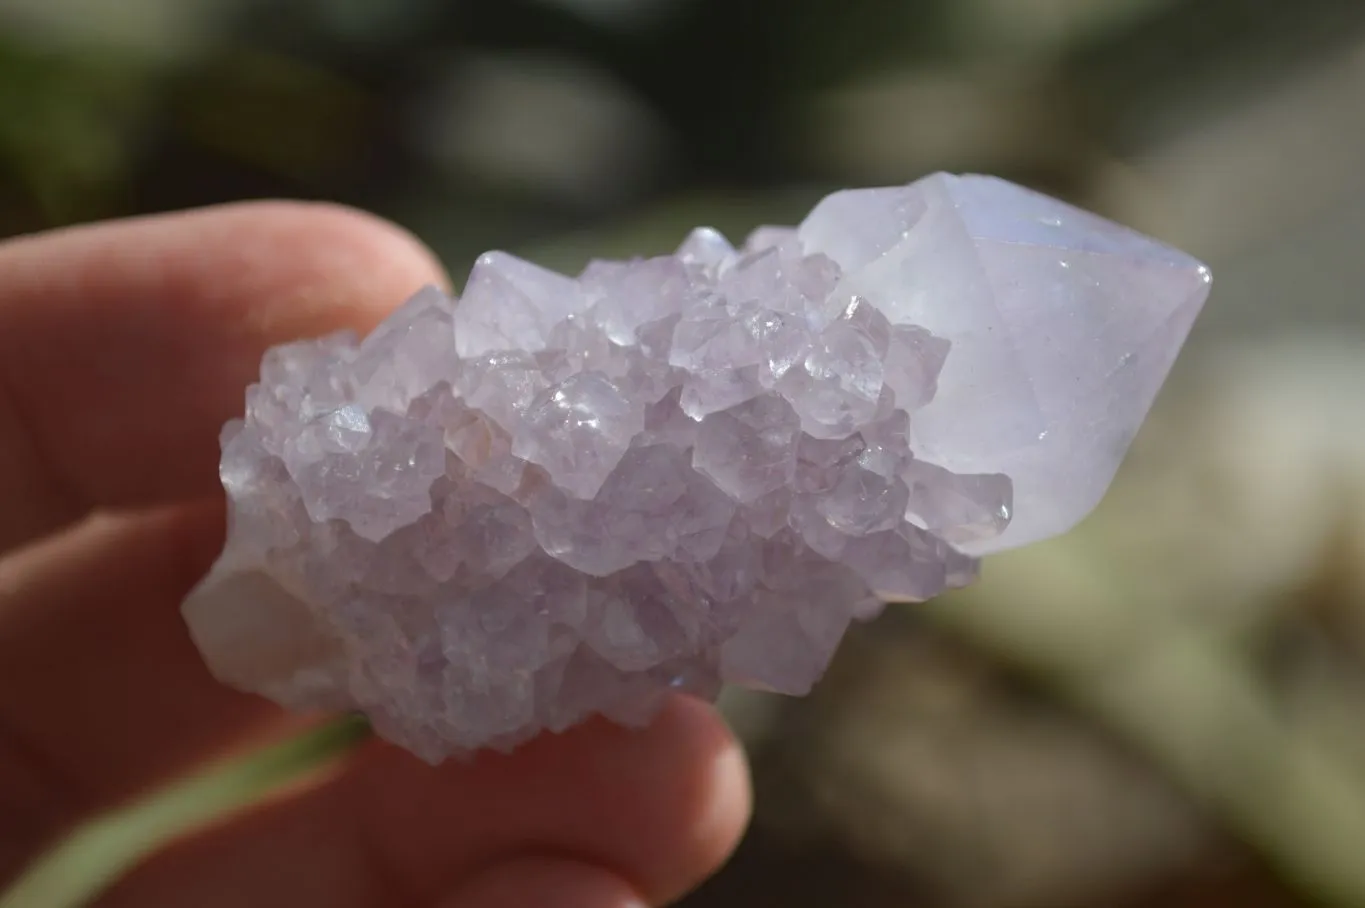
(566, 496)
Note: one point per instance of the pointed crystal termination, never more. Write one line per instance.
(1063, 327)
(562, 496)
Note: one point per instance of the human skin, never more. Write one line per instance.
(124, 346)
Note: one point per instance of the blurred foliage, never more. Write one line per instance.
(341, 99)
(1167, 707)
(68, 133)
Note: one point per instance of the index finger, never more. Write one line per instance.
(125, 346)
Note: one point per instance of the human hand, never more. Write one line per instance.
(123, 348)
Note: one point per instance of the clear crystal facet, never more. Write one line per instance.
(1062, 327)
(563, 496)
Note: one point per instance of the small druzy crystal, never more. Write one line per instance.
(561, 496)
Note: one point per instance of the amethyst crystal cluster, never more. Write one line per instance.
(558, 496)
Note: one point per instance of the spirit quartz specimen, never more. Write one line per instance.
(558, 496)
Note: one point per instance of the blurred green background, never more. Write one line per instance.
(1166, 707)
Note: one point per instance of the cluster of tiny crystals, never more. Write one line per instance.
(559, 497)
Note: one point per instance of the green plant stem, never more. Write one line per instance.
(1184, 697)
(99, 853)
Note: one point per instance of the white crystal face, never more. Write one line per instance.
(1062, 326)
(563, 496)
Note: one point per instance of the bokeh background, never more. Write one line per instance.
(1166, 707)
